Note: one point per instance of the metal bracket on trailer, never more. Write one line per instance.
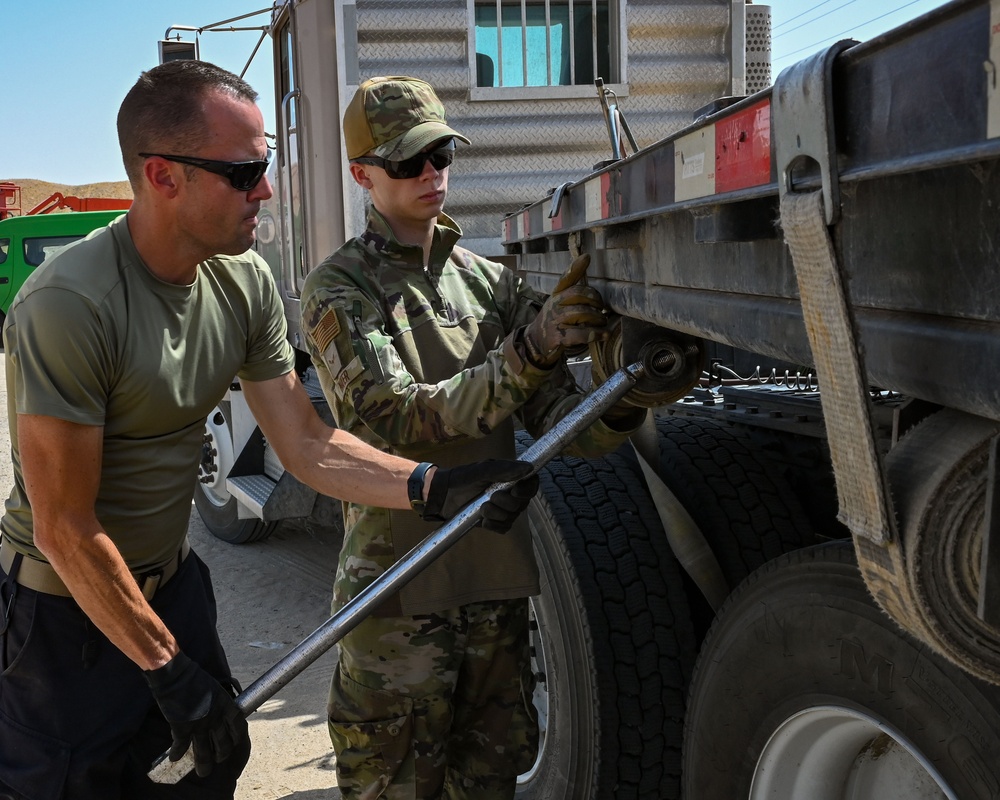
(557, 196)
(802, 114)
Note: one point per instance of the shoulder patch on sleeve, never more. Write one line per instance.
(326, 329)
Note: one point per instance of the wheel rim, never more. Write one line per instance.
(216, 459)
(835, 753)
(540, 697)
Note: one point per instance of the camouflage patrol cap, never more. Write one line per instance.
(395, 118)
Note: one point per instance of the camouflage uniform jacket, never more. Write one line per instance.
(424, 361)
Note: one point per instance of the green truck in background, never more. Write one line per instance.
(25, 242)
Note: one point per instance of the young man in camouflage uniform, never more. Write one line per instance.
(429, 351)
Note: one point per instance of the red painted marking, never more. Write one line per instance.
(557, 221)
(743, 148)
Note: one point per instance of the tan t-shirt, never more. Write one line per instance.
(94, 338)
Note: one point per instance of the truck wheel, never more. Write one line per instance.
(736, 493)
(216, 506)
(805, 689)
(614, 642)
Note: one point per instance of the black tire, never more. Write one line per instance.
(801, 641)
(737, 494)
(217, 508)
(614, 640)
(803, 463)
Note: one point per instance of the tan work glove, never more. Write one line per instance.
(573, 316)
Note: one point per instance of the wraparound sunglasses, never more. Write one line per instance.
(242, 175)
(440, 157)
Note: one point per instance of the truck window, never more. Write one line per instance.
(4, 247)
(37, 249)
(548, 43)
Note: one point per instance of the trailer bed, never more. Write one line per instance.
(686, 233)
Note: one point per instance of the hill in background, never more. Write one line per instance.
(34, 192)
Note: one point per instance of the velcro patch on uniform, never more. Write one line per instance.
(346, 376)
(326, 329)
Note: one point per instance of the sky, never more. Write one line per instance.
(67, 64)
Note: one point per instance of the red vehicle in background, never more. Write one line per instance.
(10, 202)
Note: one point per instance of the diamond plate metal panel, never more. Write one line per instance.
(252, 491)
(676, 63)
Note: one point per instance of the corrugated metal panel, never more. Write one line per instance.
(677, 63)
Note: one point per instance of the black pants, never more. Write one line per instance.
(77, 719)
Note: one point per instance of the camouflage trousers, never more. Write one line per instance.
(435, 706)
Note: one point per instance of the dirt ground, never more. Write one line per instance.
(271, 595)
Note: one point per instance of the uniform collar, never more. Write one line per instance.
(379, 240)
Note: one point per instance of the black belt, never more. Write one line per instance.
(41, 577)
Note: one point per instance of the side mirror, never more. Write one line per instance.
(176, 50)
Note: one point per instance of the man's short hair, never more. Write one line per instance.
(162, 112)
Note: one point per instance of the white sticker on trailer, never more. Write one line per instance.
(694, 164)
(992, 76)
(693, 167)
(592, 194)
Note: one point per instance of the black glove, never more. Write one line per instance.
(200, 711)
(452, 489)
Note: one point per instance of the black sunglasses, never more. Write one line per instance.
(440, 157)
(242, 175)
